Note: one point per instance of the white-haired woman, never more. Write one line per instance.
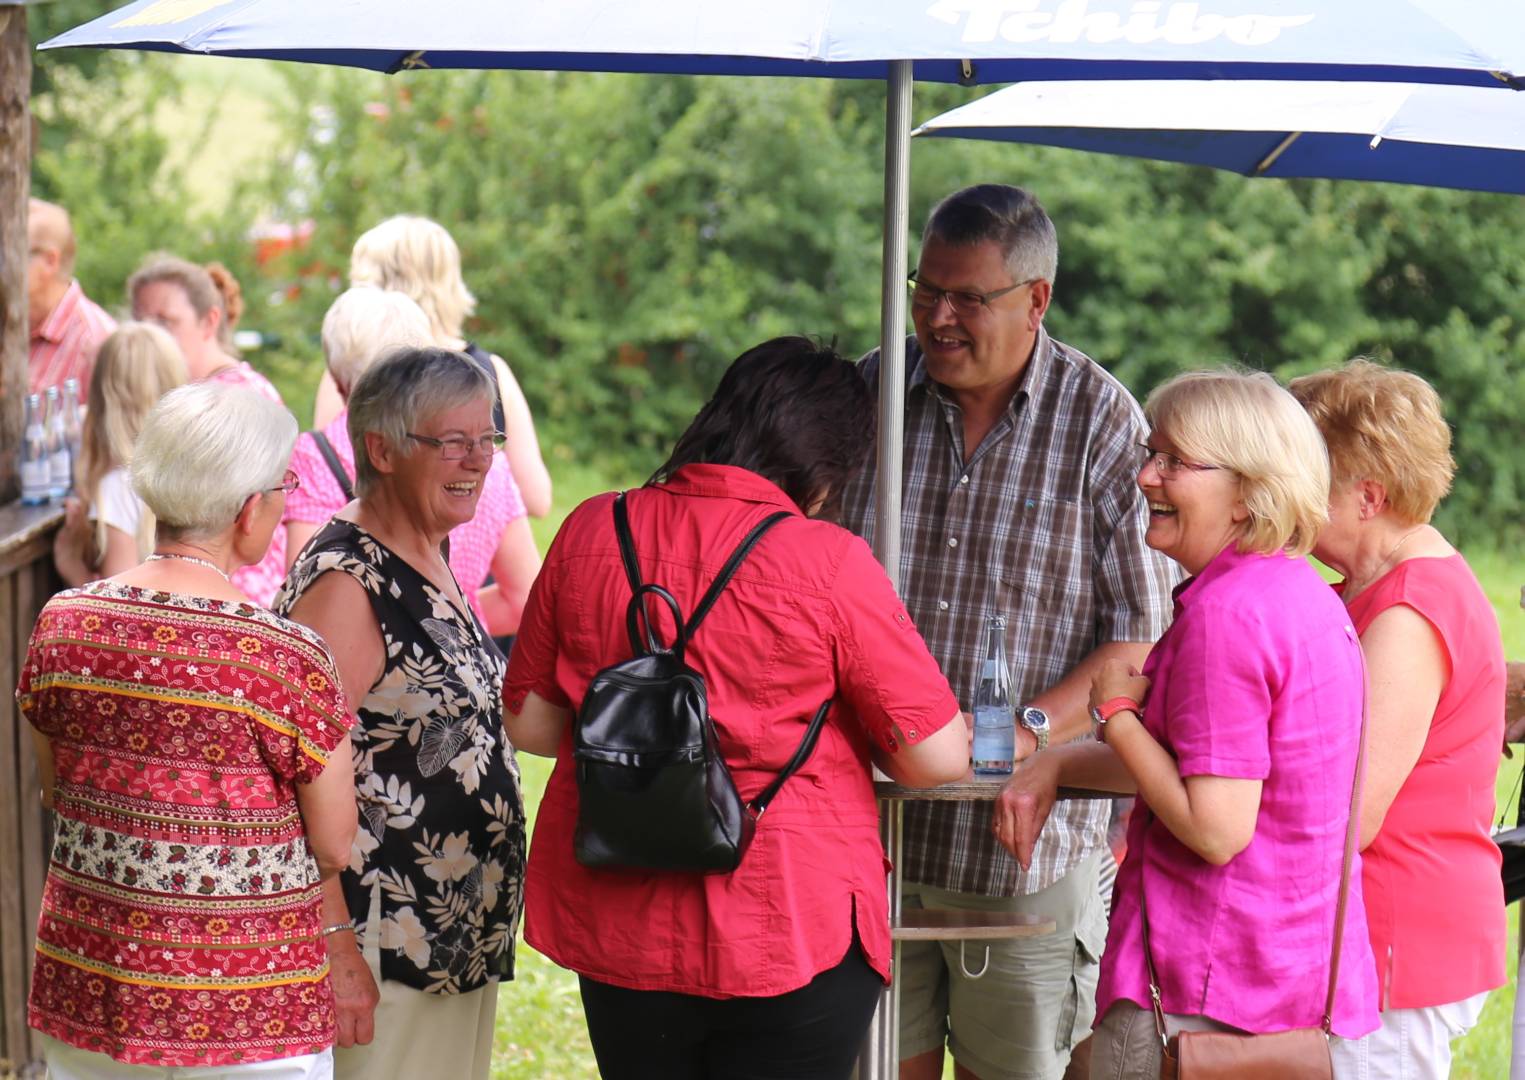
(362, 325)
(435, 885)
(1434, 898)
(419, 257)
(107, 528)
(193, 749)
(197, 305)
(1240, 737)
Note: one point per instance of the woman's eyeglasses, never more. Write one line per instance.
(1168, 465)
(459, 447)
(289, 483)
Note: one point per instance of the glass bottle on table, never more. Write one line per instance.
(60, 464)
(35, 461)
(995, 733)
(71, 418)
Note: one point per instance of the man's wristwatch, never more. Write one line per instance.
(1035, 720)
(1100, 714)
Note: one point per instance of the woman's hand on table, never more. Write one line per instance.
(1023, 806)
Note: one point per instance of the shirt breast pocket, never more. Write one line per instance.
(1044, 568)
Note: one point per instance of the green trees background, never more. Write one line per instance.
(627, 236)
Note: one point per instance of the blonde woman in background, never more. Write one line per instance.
(107, 528)
(417, 256)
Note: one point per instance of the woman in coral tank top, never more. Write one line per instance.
(1434, 899)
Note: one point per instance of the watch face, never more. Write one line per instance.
(1034, 719)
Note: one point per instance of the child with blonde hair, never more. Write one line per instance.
(107, 529)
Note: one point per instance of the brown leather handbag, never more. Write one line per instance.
(1300, 1054)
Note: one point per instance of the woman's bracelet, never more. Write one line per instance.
(338, 927)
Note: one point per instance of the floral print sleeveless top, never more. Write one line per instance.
(441, 815)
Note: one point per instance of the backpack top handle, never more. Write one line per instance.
(686, 633)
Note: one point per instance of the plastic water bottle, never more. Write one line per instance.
(35, 463)
(995, 732)
(60, 464)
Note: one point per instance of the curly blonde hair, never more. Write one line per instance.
(1385, 425)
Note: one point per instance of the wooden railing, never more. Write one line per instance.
(27, 580)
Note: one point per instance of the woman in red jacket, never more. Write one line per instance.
(773, 969)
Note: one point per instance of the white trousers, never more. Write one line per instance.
(66, 1062)
(1411, 1044)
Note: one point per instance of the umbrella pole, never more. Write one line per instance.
(880, 1056)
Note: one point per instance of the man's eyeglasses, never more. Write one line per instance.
(289, 483)
(962, 301)
(1168, 465)
(459, 447)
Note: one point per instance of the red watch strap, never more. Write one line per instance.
(1112, 706)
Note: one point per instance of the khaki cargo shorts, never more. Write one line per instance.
(1035, 1000)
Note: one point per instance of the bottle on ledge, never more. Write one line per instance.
(60, 464)
(995, 733)
(35, 462)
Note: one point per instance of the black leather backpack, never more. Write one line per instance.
(654, 792)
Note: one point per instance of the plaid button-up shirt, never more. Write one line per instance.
(1044, 525)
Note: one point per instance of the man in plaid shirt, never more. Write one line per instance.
(1019, 500)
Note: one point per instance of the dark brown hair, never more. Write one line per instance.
(792, 411)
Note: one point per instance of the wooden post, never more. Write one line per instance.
(15, 177)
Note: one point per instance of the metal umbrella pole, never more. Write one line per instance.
(880, 1056)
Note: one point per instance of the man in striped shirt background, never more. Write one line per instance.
(67, 327)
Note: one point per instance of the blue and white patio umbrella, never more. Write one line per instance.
(1438, 136)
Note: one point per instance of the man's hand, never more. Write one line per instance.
(1023, 806)
(355, 992)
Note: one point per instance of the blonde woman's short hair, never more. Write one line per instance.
(416, 256)
(204, 449)
(365, 322)
(1246, 422)
(1383, 425)
(137, 365)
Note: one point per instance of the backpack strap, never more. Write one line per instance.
(732, 564)
(801, 755)
(335, 466)
(627, 543)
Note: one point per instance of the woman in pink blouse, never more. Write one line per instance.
(1240, 737)
(1434, 898)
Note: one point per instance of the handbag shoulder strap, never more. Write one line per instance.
(1352, 831)
(722, 579)
(335, 466)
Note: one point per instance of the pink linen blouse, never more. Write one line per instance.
(1260, 677)
(472, 545)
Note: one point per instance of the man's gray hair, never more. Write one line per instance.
(402, 388)
(1009, 217)
(365, 322)
(204, 449)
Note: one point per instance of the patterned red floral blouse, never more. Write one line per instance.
(180, 921)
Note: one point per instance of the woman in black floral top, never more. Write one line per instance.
(434, 887)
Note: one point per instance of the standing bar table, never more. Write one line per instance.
(881, 1056)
